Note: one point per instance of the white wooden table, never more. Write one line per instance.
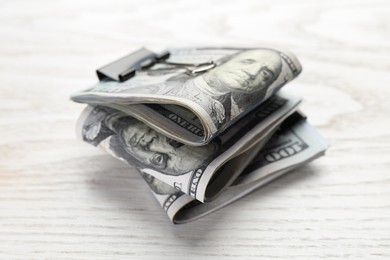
(60, 198)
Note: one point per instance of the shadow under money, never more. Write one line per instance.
(205, 226)
(122, 189)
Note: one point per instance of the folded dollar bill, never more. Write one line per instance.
(197, 93)
(295, 143)
(202, 172)
(203, 126)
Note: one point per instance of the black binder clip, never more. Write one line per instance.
(125, 68)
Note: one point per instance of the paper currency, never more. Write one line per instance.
(295, 143)
(195, 170)
(194, 108)
(204, 127)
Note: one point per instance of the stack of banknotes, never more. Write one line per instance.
(203, 126)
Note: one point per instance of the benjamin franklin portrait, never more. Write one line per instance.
(143, 147)
(237, 83)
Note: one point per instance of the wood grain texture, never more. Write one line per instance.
(60, 198)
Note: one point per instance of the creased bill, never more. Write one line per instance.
(294, 144)
(195, 170)
(194, 108)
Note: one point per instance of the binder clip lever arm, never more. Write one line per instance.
(126, 67)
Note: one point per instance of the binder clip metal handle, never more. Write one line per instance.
(125, 68)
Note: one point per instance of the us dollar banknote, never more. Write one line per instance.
(195, 170)
(193, 108)
(295, 143)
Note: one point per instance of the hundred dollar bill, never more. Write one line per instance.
(295, 143)
(190, 107)
(195, 170)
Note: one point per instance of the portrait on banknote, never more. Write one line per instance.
(141, 146)
(157, 186)
(238, 82)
